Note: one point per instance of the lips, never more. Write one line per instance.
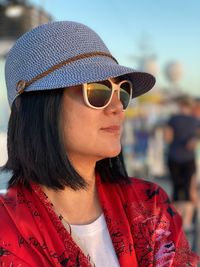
(112, 129)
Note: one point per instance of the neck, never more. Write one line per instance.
(84, 165)
(77, 207)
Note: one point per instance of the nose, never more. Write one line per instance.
(115, 105)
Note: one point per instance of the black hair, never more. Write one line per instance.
(35, 147)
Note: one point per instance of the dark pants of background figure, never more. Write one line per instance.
(181, 176)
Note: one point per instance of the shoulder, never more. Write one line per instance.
(8, 199)
(145, 201)
(19, 231)
(145, 190)
(13, 206)
(8, 222)
(8, 204)
(148, 198)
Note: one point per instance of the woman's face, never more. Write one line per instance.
(89, 132)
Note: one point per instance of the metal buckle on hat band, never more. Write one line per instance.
(21, 85)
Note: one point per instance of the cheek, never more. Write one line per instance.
(78, 130)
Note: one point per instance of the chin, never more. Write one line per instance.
(108, 151)
(113, 153)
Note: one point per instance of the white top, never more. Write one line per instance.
(96, 241)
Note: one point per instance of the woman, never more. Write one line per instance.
(70, 201)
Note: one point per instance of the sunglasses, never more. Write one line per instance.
(98, 95)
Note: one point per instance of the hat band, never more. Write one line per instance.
(22, 84)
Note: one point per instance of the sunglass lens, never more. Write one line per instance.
(98, 94)
(125, 93)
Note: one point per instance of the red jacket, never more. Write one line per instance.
(144, 227)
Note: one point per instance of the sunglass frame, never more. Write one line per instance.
(115, 87)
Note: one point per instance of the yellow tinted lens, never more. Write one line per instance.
(98, 94)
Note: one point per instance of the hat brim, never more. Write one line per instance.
(91, 70)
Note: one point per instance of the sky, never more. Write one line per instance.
(170, 30)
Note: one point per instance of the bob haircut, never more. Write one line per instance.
(36, 149)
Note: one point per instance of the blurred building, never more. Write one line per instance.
(17, 17)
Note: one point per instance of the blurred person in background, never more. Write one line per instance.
(181, 134)
(196, 112)
(70, 201)
(196, 181)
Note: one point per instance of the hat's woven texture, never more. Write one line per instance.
(50, 44)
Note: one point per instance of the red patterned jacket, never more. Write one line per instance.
(144, 227)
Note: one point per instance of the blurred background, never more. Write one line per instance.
(160, 37)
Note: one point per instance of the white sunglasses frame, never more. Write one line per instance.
(115, 87)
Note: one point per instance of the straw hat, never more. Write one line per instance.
(61, 54)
